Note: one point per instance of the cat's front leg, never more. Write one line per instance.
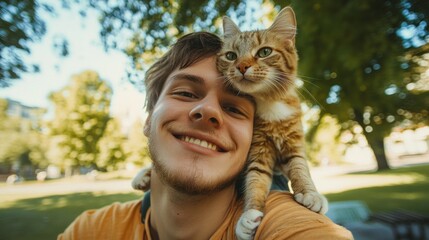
(314, 201)
(305, 191)
(248, 223)
(142, 180)
(258, 181)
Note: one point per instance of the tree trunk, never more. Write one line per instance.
(375, 141)
(377, 145)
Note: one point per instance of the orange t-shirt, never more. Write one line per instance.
(284, 219)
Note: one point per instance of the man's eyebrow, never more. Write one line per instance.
(189, 77)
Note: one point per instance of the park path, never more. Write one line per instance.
(327, 179)
(64, 186)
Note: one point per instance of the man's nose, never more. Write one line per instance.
(207, 111)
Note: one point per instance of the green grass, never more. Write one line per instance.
(46, 217)
(412, 196)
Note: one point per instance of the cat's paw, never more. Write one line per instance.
(248, 223)
(314, 201)
(142, 180)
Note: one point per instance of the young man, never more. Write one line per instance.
(199, 132)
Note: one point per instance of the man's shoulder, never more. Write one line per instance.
(111, 213)
(279, 199)
(97, 223)
(113, 209)
(284, 218)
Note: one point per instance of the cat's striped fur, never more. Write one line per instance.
(263, 64)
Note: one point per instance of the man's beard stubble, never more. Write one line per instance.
(188, 183)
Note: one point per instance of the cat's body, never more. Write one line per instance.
(263, 64)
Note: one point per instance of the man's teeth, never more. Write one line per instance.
(199, 142)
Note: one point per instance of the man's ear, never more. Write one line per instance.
(146, 127)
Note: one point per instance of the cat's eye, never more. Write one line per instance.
(264, 52)
(231, 56)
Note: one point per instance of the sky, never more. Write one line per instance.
(86, 53)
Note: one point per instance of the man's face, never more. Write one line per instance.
(199, 131)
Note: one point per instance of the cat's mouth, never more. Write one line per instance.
(245, 79)
(246, 84)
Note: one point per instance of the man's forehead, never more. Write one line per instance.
(235, 92)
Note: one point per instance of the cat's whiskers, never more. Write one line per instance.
(305, 89)
(229, 84)
(278, 85)
(304, 79)
(282, 77)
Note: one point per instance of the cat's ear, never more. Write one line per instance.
(285, 24)
(229, 27)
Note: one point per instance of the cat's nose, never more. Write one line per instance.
(242, 67)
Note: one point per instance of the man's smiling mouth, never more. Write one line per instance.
(201, 143)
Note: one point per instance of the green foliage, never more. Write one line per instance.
(111, 147)
(325, 147)
(355, 62)
(81, 116)
(136, 147)
(150, 26)
(20, 25)
(360, 60)
(21, 140)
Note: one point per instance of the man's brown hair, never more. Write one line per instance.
(188, 50)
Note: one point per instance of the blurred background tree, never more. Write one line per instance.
(21, 146)
(81, 117)
(361, 61)
(21, 25)
(111, 147)
(136, 147)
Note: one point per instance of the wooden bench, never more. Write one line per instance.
(346, 212)
(403, 218)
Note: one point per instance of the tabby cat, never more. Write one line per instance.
(263, 64)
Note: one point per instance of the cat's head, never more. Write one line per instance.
(261, 63)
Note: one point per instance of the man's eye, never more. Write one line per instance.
(185, 94)
(233, 110)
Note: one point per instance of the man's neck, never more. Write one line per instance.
(176, 215)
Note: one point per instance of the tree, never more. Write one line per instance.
(325, 148)
(20, 25)
(136, 146)
(360, 64)
(111, 147)
(21, 140)
(359, 59)
(150, 26)
(81, 116)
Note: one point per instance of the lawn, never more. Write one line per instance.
(409, 195)
(45, 217)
